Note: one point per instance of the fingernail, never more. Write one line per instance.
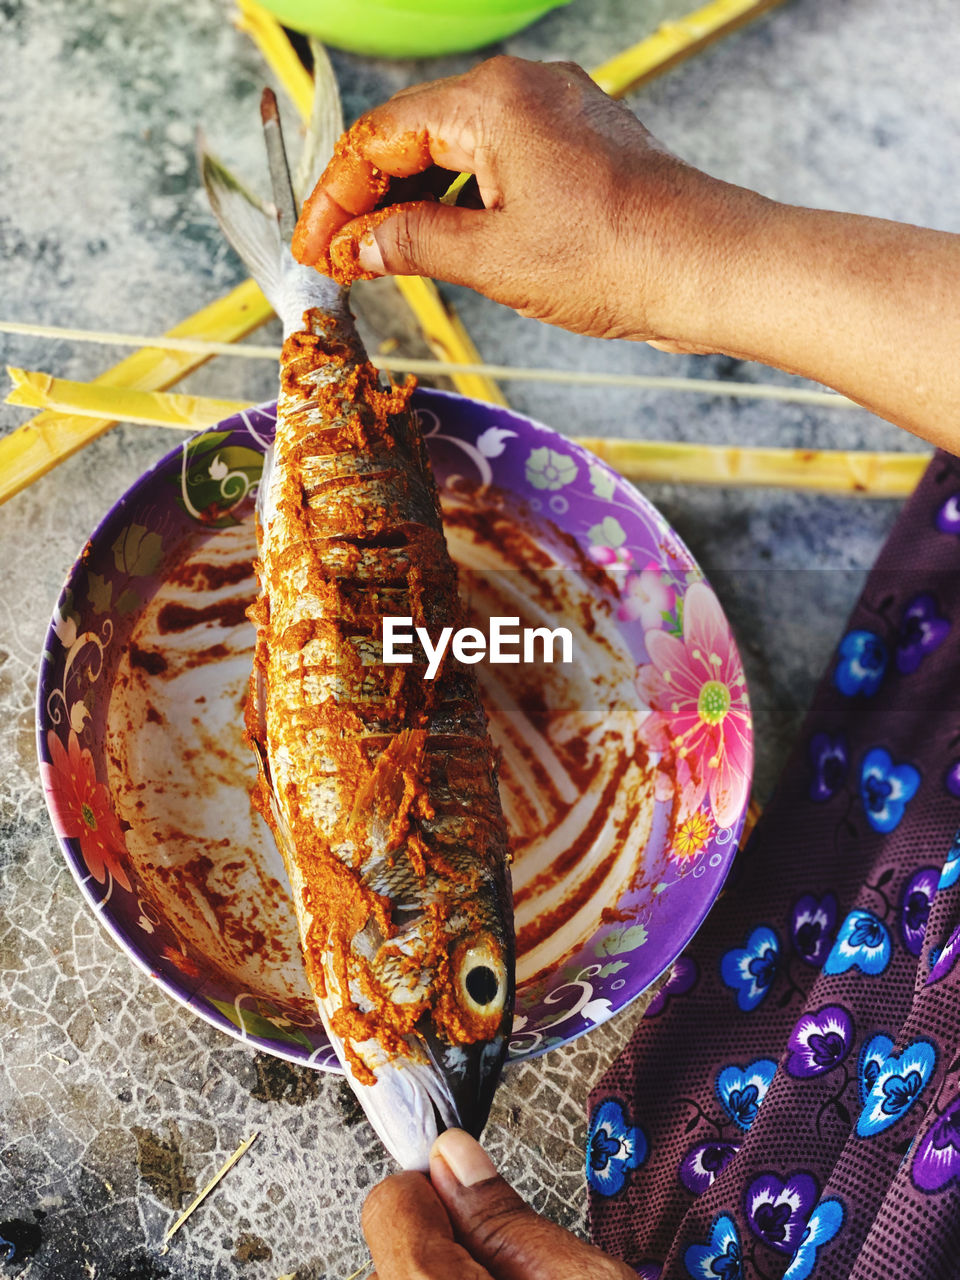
(464, 1157)
(369, 256)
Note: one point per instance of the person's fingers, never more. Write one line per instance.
(421, 239)
(320, 219)
(410, 1236)
(499, 1229)
(403, 137)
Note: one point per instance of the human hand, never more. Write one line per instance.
(467, 1223)
(588, 222)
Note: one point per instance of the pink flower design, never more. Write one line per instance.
(82, 809)
(616, 558)
(699, 710)
(646, 597)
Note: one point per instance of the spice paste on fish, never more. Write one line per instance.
(381, 786)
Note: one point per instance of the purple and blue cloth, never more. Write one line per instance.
(790, 1104)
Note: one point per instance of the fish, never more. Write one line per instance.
(380, 786)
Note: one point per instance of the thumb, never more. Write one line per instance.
(500, 1229)
(422, 238)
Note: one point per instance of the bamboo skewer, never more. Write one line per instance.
(873, 474)
(442, 368)
(198, 1200)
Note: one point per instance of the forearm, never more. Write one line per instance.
(868, 307)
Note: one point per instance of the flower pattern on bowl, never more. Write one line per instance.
(699, 714)
(82, 809)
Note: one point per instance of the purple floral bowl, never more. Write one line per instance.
(625, 774)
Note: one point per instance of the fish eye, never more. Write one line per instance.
(481, 983)
(482, 980)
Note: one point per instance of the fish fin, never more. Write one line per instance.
(325, 126)
(249, 223)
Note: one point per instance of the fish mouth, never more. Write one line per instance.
(470, 1074)
(437, 1086)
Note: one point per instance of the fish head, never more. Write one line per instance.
(445, 982)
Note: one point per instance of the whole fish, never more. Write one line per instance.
(380, 786)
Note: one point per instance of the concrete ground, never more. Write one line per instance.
(853, 106)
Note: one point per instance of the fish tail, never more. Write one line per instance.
(250, 224)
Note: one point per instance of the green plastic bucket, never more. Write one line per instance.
(409, 28)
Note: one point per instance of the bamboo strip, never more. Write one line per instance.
(442, 328)
(243, 1147)
(675, 41)
(152, 408)
(875, 474)
(441, 368)
(38, 445)
(872, 474)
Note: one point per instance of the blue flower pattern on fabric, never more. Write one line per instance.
(922, 629)
(951, 867)
(829, 758)
(614, 1148)
(819, 1041)
(863, 943)
(749, 970)
(863, 662)
(886, 788)
(942, 961)
(777, 1209)
(872, 1057)
(812, 921)
(741, 1090)
(937, 1161)
(824, 1223)
(721, 1258)
(899, 1083)
(703, 1164)
(915, 903)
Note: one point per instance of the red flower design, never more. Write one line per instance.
(82, 808)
